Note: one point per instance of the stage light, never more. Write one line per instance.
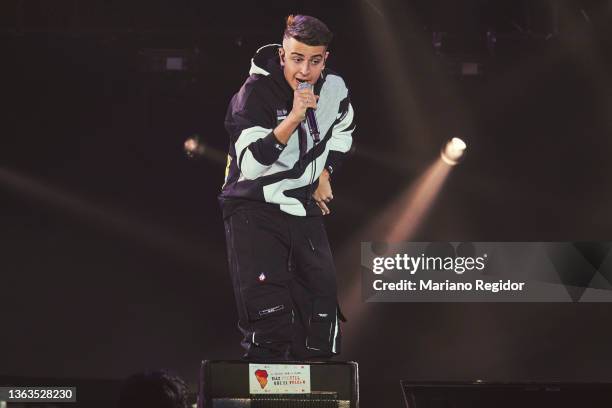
(453, 151)
(471, 69)
(123, 224)
(169, 60)
(194, 147)
(491, 41)
(437, 41)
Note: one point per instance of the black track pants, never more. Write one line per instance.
(285, 285)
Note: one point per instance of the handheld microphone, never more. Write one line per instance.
(311, 119)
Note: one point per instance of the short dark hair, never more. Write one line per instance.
(308, 30)
(153, 389)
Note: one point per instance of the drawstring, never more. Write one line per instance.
(311, 244)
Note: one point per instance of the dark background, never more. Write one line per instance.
(112, 247)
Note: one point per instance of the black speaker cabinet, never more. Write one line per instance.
(480, 394)
(243, 384)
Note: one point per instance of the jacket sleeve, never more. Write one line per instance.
(250, 122)
(342, 136)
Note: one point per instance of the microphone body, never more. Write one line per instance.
(311, 119)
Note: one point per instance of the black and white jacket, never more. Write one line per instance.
(262, 170)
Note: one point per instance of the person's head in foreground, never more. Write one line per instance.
(153, 389)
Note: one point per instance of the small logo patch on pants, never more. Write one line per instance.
(271, 310)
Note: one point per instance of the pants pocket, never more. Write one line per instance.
(323, 328)
(270, 314)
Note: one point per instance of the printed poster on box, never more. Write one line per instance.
(279, 379)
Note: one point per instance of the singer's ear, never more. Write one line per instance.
(281, 54)
(325, 57)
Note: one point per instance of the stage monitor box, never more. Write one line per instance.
(242, 384)
(479, 394)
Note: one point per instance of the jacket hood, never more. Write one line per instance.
(265, 60)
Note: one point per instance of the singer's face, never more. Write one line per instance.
(301, 62)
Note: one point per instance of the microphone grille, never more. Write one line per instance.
(304, 85)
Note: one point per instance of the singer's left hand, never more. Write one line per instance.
(323, 194)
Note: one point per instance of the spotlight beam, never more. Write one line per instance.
(153, 236)
(398, 222)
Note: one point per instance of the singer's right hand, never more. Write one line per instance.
(302, 100)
